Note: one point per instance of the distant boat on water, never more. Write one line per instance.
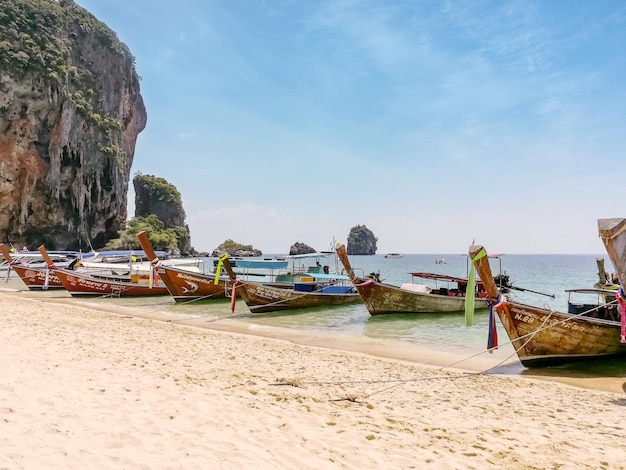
(393, 255)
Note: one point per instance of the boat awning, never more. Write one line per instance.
(326, 277)
(439, 277)
(590, 291)
(308, 255)
(261, 264)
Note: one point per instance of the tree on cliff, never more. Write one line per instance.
(161, 238)
(361, 241)
(235, 249)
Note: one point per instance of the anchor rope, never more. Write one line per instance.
(398, 382)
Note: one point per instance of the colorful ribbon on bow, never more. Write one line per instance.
(218, 269)
(233, 299)
(153, 277)
(47, 278)
(492, 338)
(621, 300)
(471, 288)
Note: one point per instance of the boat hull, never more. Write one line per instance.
(35, 278)
(380, 298)
(545, 338)
(79, 285)
(263, 298)
(185, 285)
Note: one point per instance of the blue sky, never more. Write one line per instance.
(433, 123)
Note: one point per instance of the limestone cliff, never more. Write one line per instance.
(235, 249)
(154, 195)
(361, 241)
(70, 113)
(299, 248)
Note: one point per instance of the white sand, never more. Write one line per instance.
(83, 388)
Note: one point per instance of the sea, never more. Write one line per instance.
(441, 340)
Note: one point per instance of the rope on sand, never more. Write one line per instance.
(398, 382)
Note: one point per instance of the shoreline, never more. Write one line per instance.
(480, 363)
(109, 389)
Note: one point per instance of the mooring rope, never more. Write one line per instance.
(398, 382)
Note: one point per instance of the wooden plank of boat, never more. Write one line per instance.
(79, 285)
(381, 298)
(544, 337)
(34, 278)
(262, 298)
(182, 284)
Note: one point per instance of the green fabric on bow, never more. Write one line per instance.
(470, 292)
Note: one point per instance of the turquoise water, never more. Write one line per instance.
(444, 333)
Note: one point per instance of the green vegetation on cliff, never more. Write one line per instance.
(161, 238)
(236, 249)
(159, 211)
(154, 191)
(39, 37)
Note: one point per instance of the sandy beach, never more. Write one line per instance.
(90, 388)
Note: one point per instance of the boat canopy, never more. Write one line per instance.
(440, 277)
(591, 291)
(129, 253)
(260, 263)
(327, 277)
(309, 255)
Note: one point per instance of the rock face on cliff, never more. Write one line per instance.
(70, 113)
(361, 241)
(154, 195)
(299, 248)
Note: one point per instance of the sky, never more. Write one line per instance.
(433, 123)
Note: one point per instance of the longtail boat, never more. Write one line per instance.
(382, 298)
(262, 298)
(81, 285)
(545, 337)
(34, 278)
(182, 284)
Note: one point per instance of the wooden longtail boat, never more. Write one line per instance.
(81, 285)
(261, 297)
(381, 298)
(544, 337)
(34, 278)
(182, 284)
